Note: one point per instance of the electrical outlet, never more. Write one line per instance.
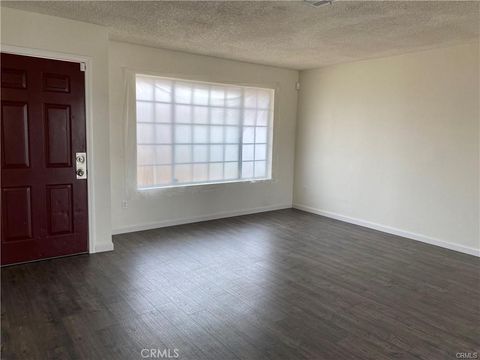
(124, 204)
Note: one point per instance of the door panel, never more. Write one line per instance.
(58, 131)
(59, 209)
(14, 78)
(56, 83)
(17, 206)
(44, 205)
(15, 135)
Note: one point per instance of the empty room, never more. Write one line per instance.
(240, 180)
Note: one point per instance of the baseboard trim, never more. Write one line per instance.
(102, 248)
(391, 230)
(214, 216)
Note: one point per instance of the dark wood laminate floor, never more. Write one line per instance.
(277, 285)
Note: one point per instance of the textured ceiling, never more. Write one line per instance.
(290, 34)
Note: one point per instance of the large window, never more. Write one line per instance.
(191, 132)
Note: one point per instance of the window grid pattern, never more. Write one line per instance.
(193, 132)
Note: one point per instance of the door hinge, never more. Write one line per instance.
(83, 66)
(297, 85)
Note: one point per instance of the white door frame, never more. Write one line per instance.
(40, 53)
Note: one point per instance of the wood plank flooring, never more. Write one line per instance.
(278, 285)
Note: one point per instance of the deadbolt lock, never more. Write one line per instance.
(81, 165)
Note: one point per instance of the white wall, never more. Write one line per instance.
(66, 37)
(389, 143)
(393, 143)
(149, 209)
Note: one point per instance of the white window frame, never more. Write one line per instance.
(269, 128)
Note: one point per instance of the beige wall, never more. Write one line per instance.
(154, 208)
(64, 38)
(393, 143)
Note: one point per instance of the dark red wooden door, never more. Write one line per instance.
(44, 205)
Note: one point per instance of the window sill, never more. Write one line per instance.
(207, 185)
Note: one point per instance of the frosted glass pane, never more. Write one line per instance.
(163, 154)
(217, 96)
(145, 176)
(260, 152)
(248, 134)
(209, 121)
(163, 134)
(145, 112)
(200, 153)
(247, 152)
(234, 97)
(261, 134)
(200, 134)
(145, 155)
(247, 170)
(249, 117)
(231, 134)
(183, 93)
(200, 172)
(260, 169)
(216, 134)
(216, 171)
(163, 175)
(231, 152)
(232, 117)
(200, 115)
(216, 152)
(183, 154)
(262, 117)
(200, 95)
(250, 98)
(163, 113)
(217, 115)
(183, 113)
(183, 134)
(183, 173)
(145, 134)
(163, 90)
(144, 88)
(263, 98)
(231, 170)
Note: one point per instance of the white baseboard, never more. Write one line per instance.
(391, 230)
(102, 247)
(181, 221)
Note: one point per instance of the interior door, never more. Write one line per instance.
(44, 201)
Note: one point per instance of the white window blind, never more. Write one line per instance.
(191, 132)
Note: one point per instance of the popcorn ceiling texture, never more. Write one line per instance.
(287, 34)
